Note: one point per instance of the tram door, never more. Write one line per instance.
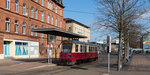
(6, 49)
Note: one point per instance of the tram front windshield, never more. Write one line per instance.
(67, 48)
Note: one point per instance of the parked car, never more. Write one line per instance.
(147, 52)
(138, 52)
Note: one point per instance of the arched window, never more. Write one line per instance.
(16, 6)
(16, 26)
(32, 12)
(52, 20)
(36, 14)
(24, 9)
(7, 25)
(8, 4)
(48, 17)
(31, 29)
(56, 22)
(24, 28)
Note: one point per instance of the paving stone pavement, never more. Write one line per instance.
(140, 63)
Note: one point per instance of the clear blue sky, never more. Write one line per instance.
(89, 6)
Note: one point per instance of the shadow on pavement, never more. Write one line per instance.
(79, 68)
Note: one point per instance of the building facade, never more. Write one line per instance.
(19, 17)
(78, 28)
(146, 42)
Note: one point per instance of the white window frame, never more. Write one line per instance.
(36, 0)
(51, 6)
(24, 9)
(36, 27)
(31, 29)
(42, 16)
(16, 26)
(32, 12)
(42, 35)
(42, 2)
(48, 5)
(56, 9)
(60, 24)
(7, 24)
(36, 14)
(16, 6)
(52, 20)
(48, 18)
(8, 4)
(24, 28)
(61, 12)
(56, 22)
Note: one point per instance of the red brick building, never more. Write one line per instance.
(18, 17)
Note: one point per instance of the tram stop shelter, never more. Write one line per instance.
(57, 32)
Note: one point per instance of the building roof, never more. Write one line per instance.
(59, 2)
(58, 32)
(69, 20)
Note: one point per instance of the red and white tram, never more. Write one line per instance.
(76, 52)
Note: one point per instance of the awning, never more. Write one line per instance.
(58, 32)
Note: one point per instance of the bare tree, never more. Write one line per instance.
(118, 16)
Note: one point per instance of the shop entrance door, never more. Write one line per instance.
(6, 49)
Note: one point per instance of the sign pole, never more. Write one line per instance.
(108, 51)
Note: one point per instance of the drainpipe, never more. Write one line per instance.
(28, 29)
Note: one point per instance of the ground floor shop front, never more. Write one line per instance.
(19, 49)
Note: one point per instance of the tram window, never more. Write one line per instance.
(89, 48)
(67, 48)
(85, 49)
(76, 48)
(81, 48)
